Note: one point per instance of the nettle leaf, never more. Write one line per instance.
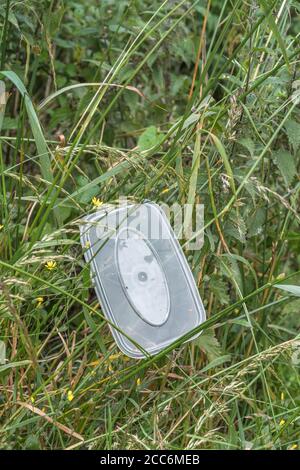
(292, 128)
(11, 17)
(209, 344)
(256, 222)
(149, 138)
(286, 165)
(230, 268)
(220, 289)
(291, 313)
(216, 362)
(248, 144)
(178, 83)
(236, 228)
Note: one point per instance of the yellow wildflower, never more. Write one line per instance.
(96, 202)
(282, 422)
(282, 396)
(94, 363)
(39, 300)
(293, 447)
(50, 265)
(138, 381)
(113, 357)
(164, 191)
(32, 399)
(70, 395)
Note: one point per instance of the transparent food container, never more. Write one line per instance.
(141, 276)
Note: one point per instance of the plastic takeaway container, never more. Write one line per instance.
(141, 276)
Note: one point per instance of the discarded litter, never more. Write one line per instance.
(141, 277)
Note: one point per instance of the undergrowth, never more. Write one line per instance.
(174, 101)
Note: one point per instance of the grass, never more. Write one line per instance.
(179, 102)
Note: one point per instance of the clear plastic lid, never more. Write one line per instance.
(141, 277)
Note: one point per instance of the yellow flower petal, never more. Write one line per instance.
(39, 300)
(96, 202)
(50, 265)
(113, 357)
(293, 447)
(70, 395)
(282, 422)
(138, 381)
(94, 363)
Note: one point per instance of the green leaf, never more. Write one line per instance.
(240, 322)
(32, 442)
(125, 165)
(193, 183)
(286, 165)
(52, 22)
(218, 361)
(9, 123)
(12, 365)
(236, 228)
(90, 192)
(11, 17)
(35, 126)
(274, 29)
(209, 344)
(293, 132)
(230, 268)
(248, 143)
(256, 221)
(295, 290)
(220, 289)
(221, 149)
(149, 138)
(290, 313)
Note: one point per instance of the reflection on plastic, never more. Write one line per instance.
(142, 277)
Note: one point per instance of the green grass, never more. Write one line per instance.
(179, 102)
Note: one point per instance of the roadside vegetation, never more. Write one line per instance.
(172, 101)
